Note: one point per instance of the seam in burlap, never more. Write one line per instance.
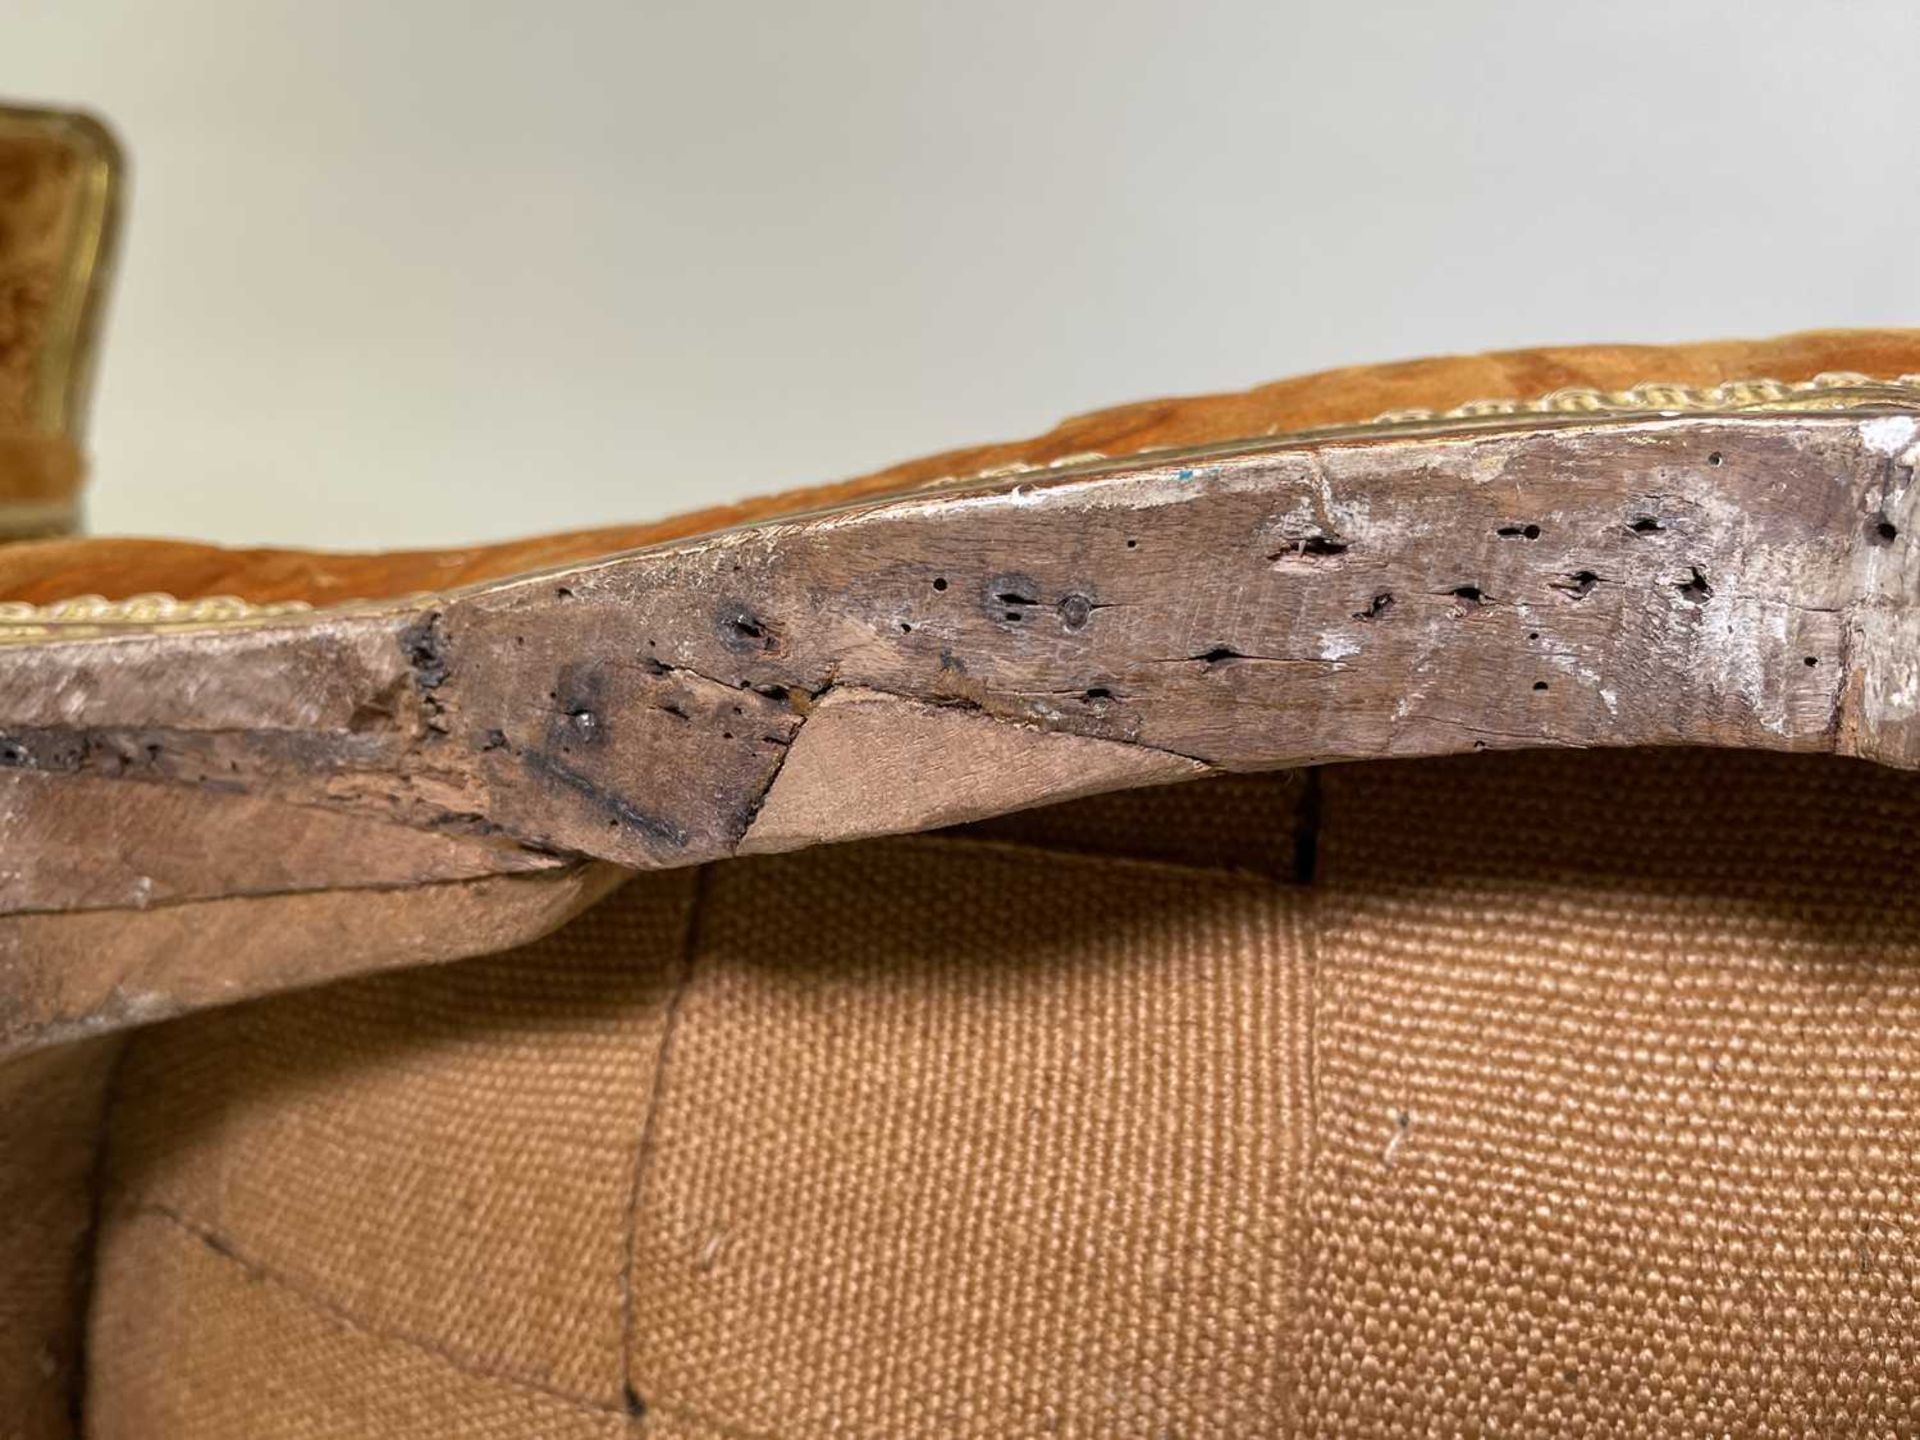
(878, 938)
(220, 1245)
(1310, 820)
(638, 1403)
(1306, 1253)
(257, 1270)
(89, 1257)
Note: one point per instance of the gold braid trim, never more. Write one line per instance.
(1835, 389)
(1830, 390)
(85, 613)
(154, 608)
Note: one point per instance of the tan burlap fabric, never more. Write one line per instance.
(1574, 1095)
(50, 1111)
(1616, 1099)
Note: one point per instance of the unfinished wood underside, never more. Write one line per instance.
(1701, 579)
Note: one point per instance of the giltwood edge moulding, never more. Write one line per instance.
(398, 781)
(73, 186)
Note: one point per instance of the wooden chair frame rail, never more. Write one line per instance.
(1734, 579)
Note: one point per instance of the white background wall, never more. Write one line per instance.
(409, 272)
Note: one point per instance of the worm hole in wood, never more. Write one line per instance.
(741, 629)
(1010, 596)
(1695, 588)
(1312, 547)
